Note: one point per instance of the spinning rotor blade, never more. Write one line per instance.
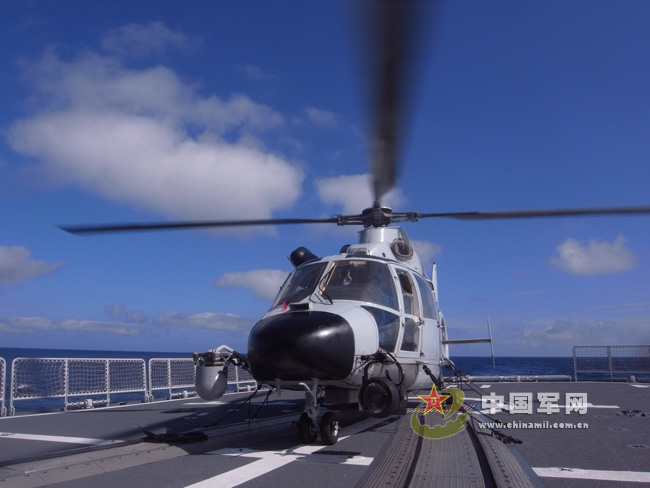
(372, 217)
(96, 229)
(393, 40)
(525, 214)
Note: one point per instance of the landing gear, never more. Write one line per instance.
(309, 424)
(306, 432)
(329, 429)
(380, 397)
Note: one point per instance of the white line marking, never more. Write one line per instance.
(591, 405)
(640, 386)
(57, 438)
(593, 474)
(299, 455)
(206, 404)
(268, 461)
(485, 386)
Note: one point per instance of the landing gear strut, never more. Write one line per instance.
(310, 425)
(306, 431)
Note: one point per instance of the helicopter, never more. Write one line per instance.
(363, 326)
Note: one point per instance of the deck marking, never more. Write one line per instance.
(58, 438)
(312, 457)
(591, 405)
(206, 404)
(268, 461)
(593, 474)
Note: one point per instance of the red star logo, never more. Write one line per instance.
(434, 401)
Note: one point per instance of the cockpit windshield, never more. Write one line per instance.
(361, 280)
(300, 284)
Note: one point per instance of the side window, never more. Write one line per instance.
(411, 339)
(409, 295)
(411, 336)
(426, 292)
(388, 325)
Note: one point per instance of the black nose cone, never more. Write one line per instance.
(299, 346)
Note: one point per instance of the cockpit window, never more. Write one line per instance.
(300, 284)
(426, 292)
(409, 295)
(361, 280)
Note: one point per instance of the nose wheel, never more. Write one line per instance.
(306, 430)
(329, 429)
(311, 424)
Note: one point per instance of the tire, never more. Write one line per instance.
(306, 432)
(329, 429)
(379, 397)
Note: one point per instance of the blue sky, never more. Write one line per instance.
(146, 111)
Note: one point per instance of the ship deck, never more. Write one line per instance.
(190, 442)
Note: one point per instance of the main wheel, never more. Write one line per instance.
(306, 431)
(329, 429)
(379, 397)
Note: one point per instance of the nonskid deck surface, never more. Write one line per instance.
(610, 449)
(104, 447)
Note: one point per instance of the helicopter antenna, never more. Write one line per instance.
(491, 343)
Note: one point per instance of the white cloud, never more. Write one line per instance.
(256, 73)
(205, 320)
(322, 118)
(135, 40)
(353, 193)
(563, 334)
(264, 283)
(30, 325)
(144, 137)
(594, 257)
(128, 323)
(100, 327)
(426, 250)
(120, 312)
(16, 265)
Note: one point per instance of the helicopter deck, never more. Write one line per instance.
(202, 444)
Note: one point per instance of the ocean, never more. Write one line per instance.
(474, 366)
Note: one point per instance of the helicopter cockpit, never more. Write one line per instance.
(361, 280)
(386, 292)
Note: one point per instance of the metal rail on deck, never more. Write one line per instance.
(93, 382)
(38, 378)
(611, 360)
(520, 378)
(3, 367)
(172, 374)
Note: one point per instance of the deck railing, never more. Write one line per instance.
(37, 378)
(172, 374)
(614, 361)
(3, 366)
(93, 382)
